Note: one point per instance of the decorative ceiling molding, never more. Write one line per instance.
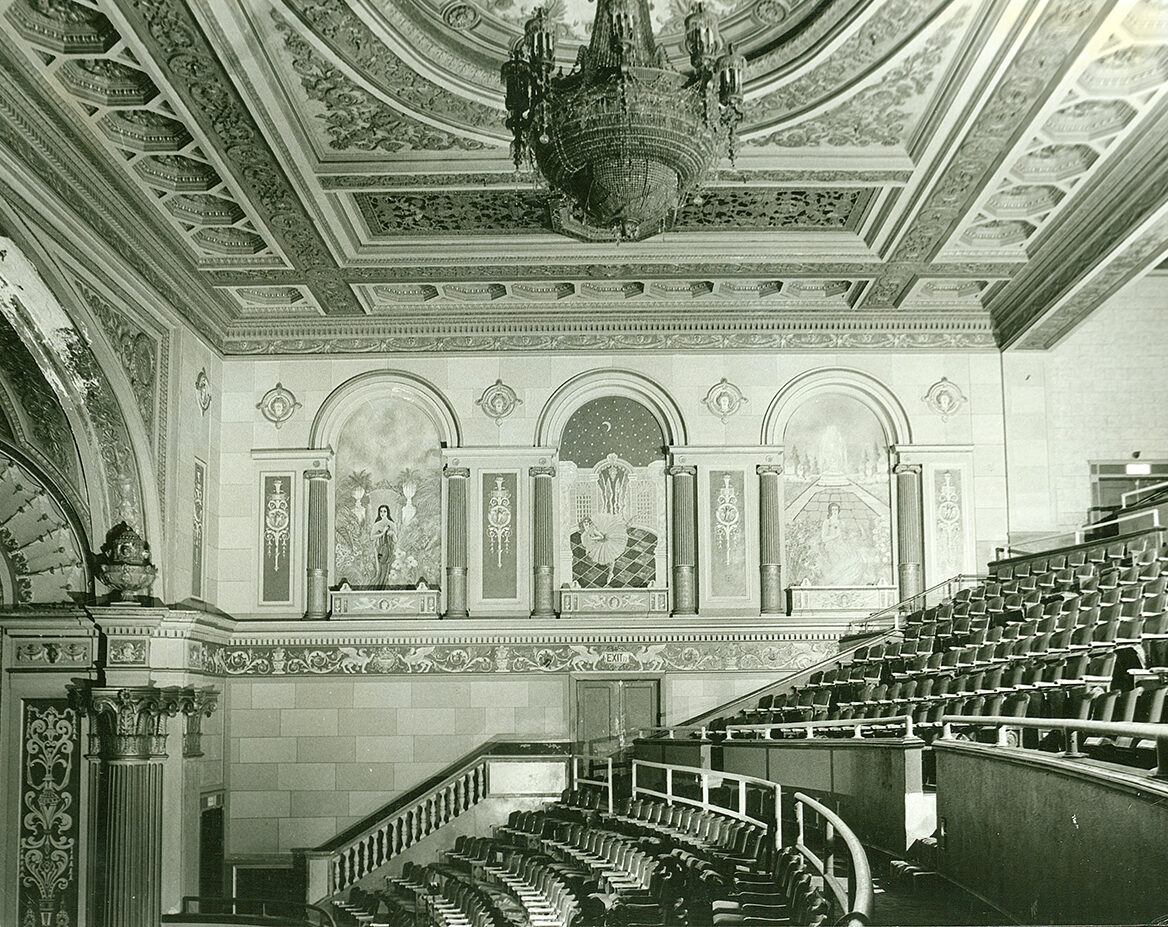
(354, 118)
(727, 209)
(1059, 34)
(167, 31)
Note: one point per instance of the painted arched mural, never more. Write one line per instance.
(838, 508)
(612, 496)
(389, 497)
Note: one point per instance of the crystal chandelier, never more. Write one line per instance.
(624, 138)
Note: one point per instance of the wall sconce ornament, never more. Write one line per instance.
(203, 390)
(278, 404)
(498, 401)
(945, 398)
(724, 399)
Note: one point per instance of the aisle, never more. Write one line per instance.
(937, 903)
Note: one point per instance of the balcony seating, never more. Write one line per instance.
(1058, 637)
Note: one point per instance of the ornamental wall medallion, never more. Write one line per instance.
(203, 390)
(724, 399)
(278, 405)
(945, 398)
(460, 15)
(498, 401)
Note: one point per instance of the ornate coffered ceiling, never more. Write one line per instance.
(333, 175)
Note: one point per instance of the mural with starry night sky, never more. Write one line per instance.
(612, 502)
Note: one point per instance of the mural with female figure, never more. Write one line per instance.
(388, 497)
(838, 514)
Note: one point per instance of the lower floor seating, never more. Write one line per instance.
(571, 864)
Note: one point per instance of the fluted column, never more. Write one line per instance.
(770, 517)
(456, 478)
(127, 742)
(685, 600)
(543, 597)
(910, 529)
(318, 542)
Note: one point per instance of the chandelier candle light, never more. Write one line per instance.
(624, 138)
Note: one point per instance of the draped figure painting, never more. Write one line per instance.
(837, 497)
(388, 497)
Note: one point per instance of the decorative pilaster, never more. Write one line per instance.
(910, 530)
(318, 542)
(685, 601)
(128, 731)
(197, 705)
(456, 478)
(770, 517)
(543, 570)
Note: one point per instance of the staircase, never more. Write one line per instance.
(497, 768)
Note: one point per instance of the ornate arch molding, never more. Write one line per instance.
(849, 381)
(343, 401)
(37, 300)
(596, 383)
(43, 540)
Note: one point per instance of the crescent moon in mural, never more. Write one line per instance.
(607, 426)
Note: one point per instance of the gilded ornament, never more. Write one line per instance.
(278, 405)
(498, 401)
(724, 399)
(203, 390)
(945, 398)
(124, 563)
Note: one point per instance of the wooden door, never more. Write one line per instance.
(608, 711)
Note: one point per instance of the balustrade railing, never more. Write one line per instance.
(892, 618)
(819, 844)
(373, 842)
(757, 801)
(1158, 733)
(902, 724)
(244, 911)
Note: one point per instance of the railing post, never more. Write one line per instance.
(1003, 736)
(858, 733)
(705, 790)
(908, 726)
(633, 781)
(742, 797)
(610, 785)
(1161, 758)
(947, 731)
(799, 823)
(829, 849)
(669, 784)
(1072, 744)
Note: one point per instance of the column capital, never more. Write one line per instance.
(913, 468)
(543, 470)
(197, 704)
(317, 473)
(769, 469)
(456, 473)
(128, 722)
(682, 470)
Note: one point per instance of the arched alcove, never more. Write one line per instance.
(387, 431)
(43, 545)
(612, 430)
(844, 380)
(835, 427)
(597, 383)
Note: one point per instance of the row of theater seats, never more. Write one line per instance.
(1081, 636)
(572, 864)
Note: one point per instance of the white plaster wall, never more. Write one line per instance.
(1097, 395)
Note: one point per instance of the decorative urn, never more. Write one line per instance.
(124, 563)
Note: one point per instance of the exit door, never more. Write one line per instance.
(609, 711)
